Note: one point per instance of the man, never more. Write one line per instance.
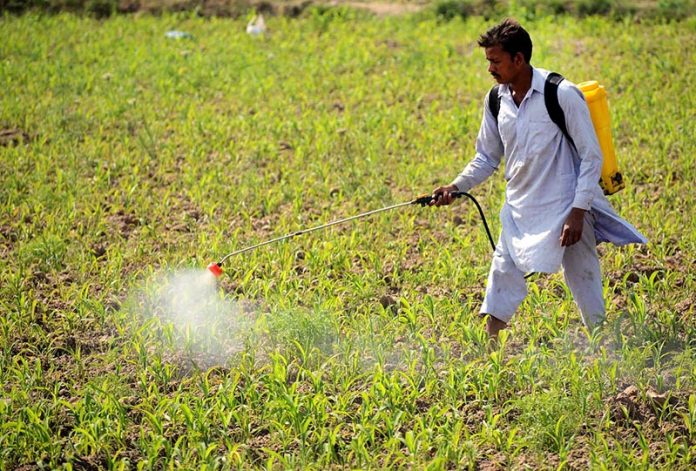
(555, 212)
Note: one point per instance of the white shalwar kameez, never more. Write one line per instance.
(545, 179)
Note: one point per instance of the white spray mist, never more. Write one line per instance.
(195, 317)
(197, 321)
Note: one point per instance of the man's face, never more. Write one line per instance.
(503, 67)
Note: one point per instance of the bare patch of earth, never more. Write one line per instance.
(236, 8)
(382, 8)
(12, 136)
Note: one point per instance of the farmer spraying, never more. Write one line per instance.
(554, 213)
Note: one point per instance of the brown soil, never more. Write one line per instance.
(631, 406)
(123, 223)
(236, 8)
(382, 8)
(12, 136)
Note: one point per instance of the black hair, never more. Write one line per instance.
(509, 35)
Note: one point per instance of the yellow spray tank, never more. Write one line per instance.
(611, 180)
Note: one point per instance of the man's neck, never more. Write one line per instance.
(521, 85)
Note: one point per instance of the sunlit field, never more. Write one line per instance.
(130, 160)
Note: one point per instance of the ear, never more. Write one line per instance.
(518, 59)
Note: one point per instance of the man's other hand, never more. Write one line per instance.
(442, 195)
(572, 228)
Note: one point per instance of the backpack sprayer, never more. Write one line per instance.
(595, 95)
(611, 179)
(425, 200)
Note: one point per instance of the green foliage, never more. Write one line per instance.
(530, 9)
(675, 9)
(45, 251)
(124, 152)
(101, 8)
(444, 10)
(450, 9)
(97, 8)
(594, 7)
(609, 8)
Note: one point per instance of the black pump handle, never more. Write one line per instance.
(425, 200)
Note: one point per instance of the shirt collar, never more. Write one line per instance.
(538, 82)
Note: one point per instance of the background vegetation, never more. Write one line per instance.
(444, 9)
(124, 152)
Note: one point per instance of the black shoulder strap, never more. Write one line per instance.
(554, 109)
(494, 102)
(553, 80)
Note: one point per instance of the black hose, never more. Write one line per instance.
(480, 210)
(427, 200)
(459, 194)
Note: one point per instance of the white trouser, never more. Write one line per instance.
(507, 288)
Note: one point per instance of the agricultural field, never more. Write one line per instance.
(130, 160)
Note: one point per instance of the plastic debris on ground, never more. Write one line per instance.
(178, 35)
(257, 26)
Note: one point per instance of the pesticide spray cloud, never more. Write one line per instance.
(195, 318)
(201, 326)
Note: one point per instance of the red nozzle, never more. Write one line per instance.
(215, 269)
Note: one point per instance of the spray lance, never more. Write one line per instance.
(216, 267)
